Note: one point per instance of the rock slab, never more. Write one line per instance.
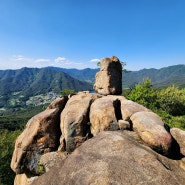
(114, 157)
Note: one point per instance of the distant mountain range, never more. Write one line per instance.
(159, 77)
(33, 81)
(87, 74)
(164, 77)
(26, 82)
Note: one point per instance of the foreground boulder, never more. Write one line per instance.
(109, 78)
(152, 130)
(114, 158)
(40, 136)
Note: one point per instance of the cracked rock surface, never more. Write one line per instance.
(95, 139)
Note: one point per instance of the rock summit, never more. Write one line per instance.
(99, 139)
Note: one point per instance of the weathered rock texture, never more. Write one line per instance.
(40, 136)
(109, 78)
(23, 179)
(114, 158)
(74, 121)
(105, 113)
(150, 128)
(101, 140)
(128, 108)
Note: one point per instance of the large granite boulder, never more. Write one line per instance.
(105, 113)
(116, 158)
(74, 121)
(152, 131)
(109, 78)
(128, 108)
(41, 135)
(179, 136)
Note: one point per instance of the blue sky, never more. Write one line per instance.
(78, 33)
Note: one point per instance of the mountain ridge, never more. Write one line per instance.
(27, 82)
(162, 77)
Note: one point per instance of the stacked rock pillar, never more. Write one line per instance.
(109, 78)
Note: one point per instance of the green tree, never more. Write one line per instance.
(66, 92)
(172, 100)
(168, 103)
(7, 140)
(144, 94)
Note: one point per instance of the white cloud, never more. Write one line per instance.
(42, 60)
(65, 63)
(60, 59)
(20, 58)
(95, 60)
(19, 61)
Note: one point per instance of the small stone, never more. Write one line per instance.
(124, 125)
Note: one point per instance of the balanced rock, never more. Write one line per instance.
(109, 78)
(41, 135)
(151, 129)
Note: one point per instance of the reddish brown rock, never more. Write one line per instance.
(109, 78)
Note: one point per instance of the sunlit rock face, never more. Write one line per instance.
(109, 78)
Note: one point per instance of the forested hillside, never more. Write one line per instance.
(164, 77)
(33, 81)
(87, 74)
(17, 86)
